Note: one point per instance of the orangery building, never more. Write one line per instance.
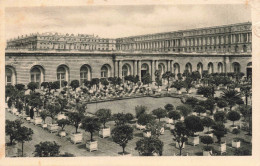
(65, 57)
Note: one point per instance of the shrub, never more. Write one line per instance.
(169, 107)
(139, 110)
(74, 84)
(159, 113)
(144, 119)
(47, 149)
(220, 116)
(149, 146)
(175, 115)
(206, 91)
(32, 86)
(233, 116)
(207, 140)
(193, 124)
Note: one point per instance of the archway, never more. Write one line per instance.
(62, 74)
(10, 76)
(236, 67)
(188, 67)
(220, 67)
(161, 68)
(85, 73)
(105, 71)
(249, 70)
(37, 75)
(210, 68)
(176, 68)
(200, 68)
(144, 69)
(126, 70)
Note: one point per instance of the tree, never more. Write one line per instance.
(158, 80)
(199, 109)
(159, 113)
(206, 91)
(74, 84)
(195, 75)
(181, 134)
(246, 90)
(168, 75)
(103, 115)
(32, 86)
(149, 146)
(45, 85)
(193, 124)
(144, 119)
(47, 149)
(188, 83)
(35, 101)
(87, 84)
(20, 87)
(104, 82)
(221, 103)
(219, 131)
(90, 124)
(231, 96)
(121, 135)
(63, 103)
(122, 119)
(209, 104)
(139, 110)
(175, 115)
(75, 119)
(54, 109)
(55, 85)
(11, 128)
(220, 116)
(95, 81)
(147, 79)
(207, 140)
(24, 134)
(44, 115)
(169, 107)
(178, 85)
(207, 122)
(233, 116)
(184, 109)
(62, 123)
(192, 101)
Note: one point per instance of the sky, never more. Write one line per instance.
(120, 21)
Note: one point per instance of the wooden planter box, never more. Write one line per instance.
(53, 127)
(222, 148)
(76, 138)
(106, 132)
(61, 116)
(28, 118)
(179, 92)
(209, 134)
(177, 145)
(140, 127)
(44, 125)
(203, 114)
(92, 146)
(37, 120)
(147, 134)
(14, 111)
(207, 153)
(170, 121)
(17, 113)
(162, 131)
(172, 127)
(62, 133)
(182, 118)
(194, 140)
(236, 144)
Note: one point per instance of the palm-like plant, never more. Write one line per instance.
(247, 92)
(231, 96)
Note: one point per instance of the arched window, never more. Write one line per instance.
(144, 69)
(220, 67)
(83, 74)
(62, 75)
(104, 72)
(188, 67)
(36, 76)
(210, 68)
(236, 67)
(176, 68)
(126, 70)
(8, 76)
(200, 68)
(161, 68)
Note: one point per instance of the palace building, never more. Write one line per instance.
(63, 57)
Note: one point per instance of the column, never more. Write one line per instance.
(168, 66)
(135, 68)
(120, 69)
(116, 68)
(139, 69)
(153, 71)
(227, 67)
(171, 67)
(156, 65)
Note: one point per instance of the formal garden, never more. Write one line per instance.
(177, 115)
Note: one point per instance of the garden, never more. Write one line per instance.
(177, 115)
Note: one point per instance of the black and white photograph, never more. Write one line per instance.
(128, 80)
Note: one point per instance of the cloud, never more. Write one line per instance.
(120, 21)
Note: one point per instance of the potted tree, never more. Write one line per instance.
(159, 113)
(44, 115)
(121, 135)
(194, 124)
(91, 124)
(181, 134)
(199, 109)
(75, 119)
(24, 134)
(54, 109)
(188, 84)
(168, 75)
(236, 141)
(47, 149)
(104, 115)
(143, 120)
(62, 123)
(152, 146)
(178, 85)
(233, 116)
(221, 104)
(219, 131)
(173, 115)
(208, 122)
(207, 150)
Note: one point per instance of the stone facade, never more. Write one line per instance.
(24, 66)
